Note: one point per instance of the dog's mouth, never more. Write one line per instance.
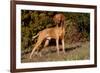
(59, 23)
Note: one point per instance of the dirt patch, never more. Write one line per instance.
(75, 51)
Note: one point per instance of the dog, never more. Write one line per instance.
(57, 32)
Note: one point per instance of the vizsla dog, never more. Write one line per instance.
(56, 33)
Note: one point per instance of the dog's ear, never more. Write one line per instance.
(59, 18)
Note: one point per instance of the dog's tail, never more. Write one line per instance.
(35, 36)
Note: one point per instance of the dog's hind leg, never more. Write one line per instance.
(36, 46)
(46, 43)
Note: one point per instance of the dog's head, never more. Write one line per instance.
(59, 19)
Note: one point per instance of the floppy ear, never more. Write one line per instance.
(59, 18)
(55, 19)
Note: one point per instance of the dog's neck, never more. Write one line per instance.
(60, 26)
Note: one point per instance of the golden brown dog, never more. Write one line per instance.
(56, 33)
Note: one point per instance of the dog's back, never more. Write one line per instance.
(52, 32)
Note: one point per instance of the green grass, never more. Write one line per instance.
(76, 51)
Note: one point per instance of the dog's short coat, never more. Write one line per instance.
(56, 33)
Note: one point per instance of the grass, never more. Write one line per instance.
(75, 51)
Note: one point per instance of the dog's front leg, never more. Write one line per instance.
(57, 45)
(63, 46)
